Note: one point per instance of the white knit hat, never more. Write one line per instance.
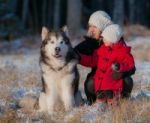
(100, 19)
(112, 33)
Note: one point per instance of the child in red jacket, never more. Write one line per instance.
(112, 57)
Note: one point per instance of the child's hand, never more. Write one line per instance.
(115, 66)
(116, 75)
(115, 71)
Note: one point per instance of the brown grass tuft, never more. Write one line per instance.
(136, 30)
(132, 112)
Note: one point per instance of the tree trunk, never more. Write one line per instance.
(74, 16)
(13, 5)
(25, 11)
(132, 11)
(35, 13)
(141, 11)
(118, 13)
(50, 13)
(56, 14)
(44, 3)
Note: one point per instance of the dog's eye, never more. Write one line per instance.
(61, 42)
(66, 42)
(52, 42)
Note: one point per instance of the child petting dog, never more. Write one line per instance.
(111, 58)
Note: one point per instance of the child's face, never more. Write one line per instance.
(107, 43)
(94, 31)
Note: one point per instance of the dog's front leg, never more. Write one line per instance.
(42, 102)
(67, 94)
(50, 103)
(68, 100)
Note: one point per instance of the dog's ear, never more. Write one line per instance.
(44, 33)
(65, 30)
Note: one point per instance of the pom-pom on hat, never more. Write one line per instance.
(112, 33)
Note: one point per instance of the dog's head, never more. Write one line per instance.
(55, 44)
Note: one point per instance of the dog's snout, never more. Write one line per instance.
(57, 49)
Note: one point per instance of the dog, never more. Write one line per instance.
(60, 76)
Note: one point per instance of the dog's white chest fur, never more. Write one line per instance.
(59, 86)
(60, 77)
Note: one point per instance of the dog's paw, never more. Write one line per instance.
(28, 103)
(42, 102)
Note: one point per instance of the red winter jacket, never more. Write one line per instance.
(103, 58)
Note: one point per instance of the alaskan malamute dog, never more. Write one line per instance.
(60, 77)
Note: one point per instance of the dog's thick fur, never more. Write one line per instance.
(60, 77)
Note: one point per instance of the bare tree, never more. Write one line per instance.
(13, 5)
(25, 11)
(118, 13)
(132, 12)
(74, 16)
(56, 14)
(35, 14)
(50, 13)
(44, 3)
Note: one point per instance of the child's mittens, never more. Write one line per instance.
(115, 71)
(116, 75)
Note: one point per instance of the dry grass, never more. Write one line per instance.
(141, 50)
(132, 112)
(129, 111)
(147, 88)
(136, 30)
(141, 47)
(11, 79)
(142, 55)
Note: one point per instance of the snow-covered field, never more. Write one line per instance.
(20, 76)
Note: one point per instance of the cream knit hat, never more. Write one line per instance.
(100, 19)
(112, 33)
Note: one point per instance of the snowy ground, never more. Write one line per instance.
(20, 75)
(140, 50)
